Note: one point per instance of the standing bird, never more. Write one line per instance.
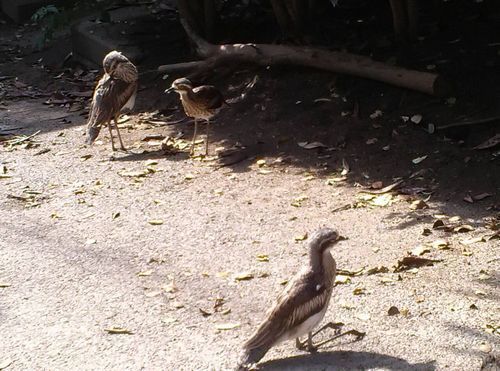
(202, 102)
(115, 91)
(302, 304)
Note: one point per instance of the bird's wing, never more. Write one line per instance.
(110, 96)
(303, 297)
(208, 96)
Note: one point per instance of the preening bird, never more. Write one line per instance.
(115, 91)
(202, 102)
(302, 304)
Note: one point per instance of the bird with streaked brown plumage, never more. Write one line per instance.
(202, 102)
(115, 91)
(301, 306)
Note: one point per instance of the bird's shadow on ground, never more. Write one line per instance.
(346, 360)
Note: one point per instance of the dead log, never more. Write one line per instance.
(333, 61)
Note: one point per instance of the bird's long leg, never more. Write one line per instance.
(111, 136)
(206, 142)
(306, 344)
(194, 136)
(118, 131)
(333, 325)
(359, 335)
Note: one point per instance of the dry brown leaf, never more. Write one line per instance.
(342, 280)
(441, 245)
(118, 331)
(205, 313)
(262, 258)
(359, 291)
(245, 276)
(392, 311)
(301, 237)
(379, 269)
(409, 262)
(463, 228)
(418, 205)
(420, 250)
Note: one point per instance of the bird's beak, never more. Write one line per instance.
(341, 238)
(169, 89)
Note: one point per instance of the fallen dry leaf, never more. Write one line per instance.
(416, 119)
(463, 228)
(468, 198)
(155, 222)
(379, 269)
(226, 326)
(418, 205)
(205, 313)
(409, 262)
(393, 311)
(441, 245)
(420, 250)
(145, 273)
(481, 196)
(359, 291)
(342, 280)
(244, 276)
(311, 145)
(118, 331)
(301, 237)
(262, 258)
(418, 160)
(5, 363)
(490, 143)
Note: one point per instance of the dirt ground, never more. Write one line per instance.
(182, 256)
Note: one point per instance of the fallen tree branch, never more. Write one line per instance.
(340, 62)
(178, 67)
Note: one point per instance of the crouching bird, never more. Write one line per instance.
(200, 103)
(301, 306)
(115, 91)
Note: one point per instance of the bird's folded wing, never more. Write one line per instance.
(302, 298)
(208, 96)
(109, 97)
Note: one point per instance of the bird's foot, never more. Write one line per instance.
(306, 345)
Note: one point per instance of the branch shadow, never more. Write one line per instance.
(346, 360)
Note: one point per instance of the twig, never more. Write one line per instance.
(13, 142)
(469, 122)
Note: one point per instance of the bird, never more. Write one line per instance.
(302, 304)
(201, 103)
(115, 91)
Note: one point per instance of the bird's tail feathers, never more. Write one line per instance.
(250, 356)
(92, 133)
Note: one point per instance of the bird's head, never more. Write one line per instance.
(323, 239)
(180, 85)
(112, 62)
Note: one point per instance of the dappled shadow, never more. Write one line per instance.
(346, 360)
